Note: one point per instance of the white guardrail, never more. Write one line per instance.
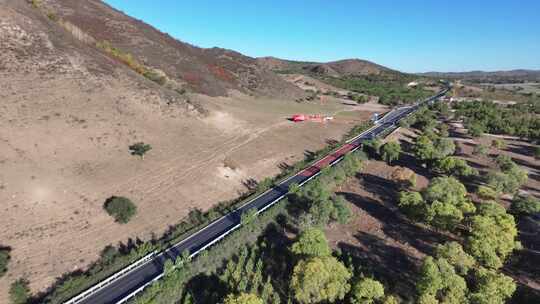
(77, 299)
(149, 257)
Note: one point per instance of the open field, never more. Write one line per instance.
(529, 87)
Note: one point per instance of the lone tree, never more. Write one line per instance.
(121, 208)
(140, 149)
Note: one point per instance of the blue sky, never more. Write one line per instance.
(411, 36)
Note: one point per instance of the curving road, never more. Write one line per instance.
(125, 286)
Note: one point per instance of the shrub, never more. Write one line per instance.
(121, 208)
(19, 292)
(481, 150)
(4, 261)
(140, 149)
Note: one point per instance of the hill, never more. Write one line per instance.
(209, 71)
(341, 68)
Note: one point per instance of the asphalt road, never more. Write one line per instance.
(124, 286)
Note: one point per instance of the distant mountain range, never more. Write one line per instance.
(496, 76)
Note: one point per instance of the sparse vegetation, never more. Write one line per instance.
(19, 292)
(4, 261)
(129, 60)
(121, 208)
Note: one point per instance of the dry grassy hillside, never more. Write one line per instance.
(69, 111)
(209, 71)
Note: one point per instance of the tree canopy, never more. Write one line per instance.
(391, 151)
(320, 279)
(492, 235)
(311, 243)
(243, 298)
(366, 291)
(121, 208)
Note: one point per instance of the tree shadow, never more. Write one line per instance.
(250, 184)
(397, 226)
(390, 264)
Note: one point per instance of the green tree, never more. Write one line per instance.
(391, 151)
(19, 292)
(391, 300)
(366, 291)
(243, 298)
(456, 256)
(320, 279)
(4, 261)
(492, 287)
(537, 152)
(413, 204)
(476, 129)
(342, 213)
(498, 144)
(492, 236)
(448, 202)
(524, 205)
(140, 149)
(311, 243)
(481, 150)
(424, 149)
(121, 208)
(439, 283)
(487, 193)
(443, 130)
(373, 147)
(454, 166)
(444, 147)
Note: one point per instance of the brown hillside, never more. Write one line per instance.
(209, 71)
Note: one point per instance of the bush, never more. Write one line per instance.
(140, 149)
(121, 208)
(4, 260)
(481, 150)
(19, 292)
(498, 144)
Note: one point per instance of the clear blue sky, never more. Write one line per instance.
(411, 36)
